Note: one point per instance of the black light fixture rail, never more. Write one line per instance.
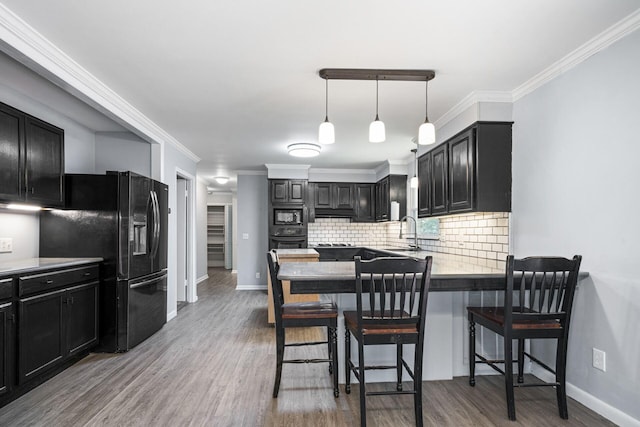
(376, 74)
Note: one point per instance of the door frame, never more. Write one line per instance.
(191, 233)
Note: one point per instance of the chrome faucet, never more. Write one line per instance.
(415, 236)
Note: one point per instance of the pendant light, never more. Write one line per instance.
(427, 131)
(414, 179)
(326, 132)
(376, 128)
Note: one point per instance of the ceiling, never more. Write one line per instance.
(236, 82)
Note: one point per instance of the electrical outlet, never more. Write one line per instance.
(245, 236)
(257, 275)
(599, 359)
(6, 244)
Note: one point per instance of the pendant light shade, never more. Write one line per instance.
(414, 182)
(326, 132)
(376, 131)
(376, 128)
(426, 131)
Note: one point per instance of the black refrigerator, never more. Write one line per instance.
(123, 218)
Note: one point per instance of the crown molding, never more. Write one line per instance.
(342, 171)
(473, 99)
(600, 42)
(23, 43)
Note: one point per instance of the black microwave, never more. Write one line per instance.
(288, 217)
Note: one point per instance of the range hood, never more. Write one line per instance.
(334, 213)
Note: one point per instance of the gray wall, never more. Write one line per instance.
(122, 151)
(252, 219)
(26, 91)
(575, 155)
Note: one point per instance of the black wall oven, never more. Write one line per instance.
(287, 222)
(288, 237)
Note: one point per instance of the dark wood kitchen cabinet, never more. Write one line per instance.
(7, 345)
(284, 191)
(461, 169)
(424, 189)
(392, 188)
(334, 195)
(57, 323)
(365, 203)
(438, 181)
(470, 172)
(31, 159)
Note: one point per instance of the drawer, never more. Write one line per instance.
(28, 285)
(6, 288)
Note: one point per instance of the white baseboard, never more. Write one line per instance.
(251, 288)
(609, 412)
(202, 278)
(172, 314)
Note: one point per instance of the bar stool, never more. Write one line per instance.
(537, 304)
(388, 287)
(299, 315)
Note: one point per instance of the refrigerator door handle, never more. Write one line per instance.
(155, 205)
(145, 283)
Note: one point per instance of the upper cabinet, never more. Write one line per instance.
(31, 159)
(288, 191)
(334, 195)
(392, 188)
(470, 172)
(424, 193)
(365, 203)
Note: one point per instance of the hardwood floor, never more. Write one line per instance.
(214, 364)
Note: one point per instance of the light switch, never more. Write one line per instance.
(245, 236)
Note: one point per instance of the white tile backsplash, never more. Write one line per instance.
(483, 235)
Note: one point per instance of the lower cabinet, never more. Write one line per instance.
(7, 346)
(54, 326)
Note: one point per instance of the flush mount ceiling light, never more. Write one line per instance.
(221, 179)
(326, 132)
(376, 129)
(303, 149)
(426, 131)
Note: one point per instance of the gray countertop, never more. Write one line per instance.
(448, 273)
(32, 265)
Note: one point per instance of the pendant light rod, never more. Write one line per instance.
(426, 101)
(377, 100)
(326, 100)
(376, 74)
